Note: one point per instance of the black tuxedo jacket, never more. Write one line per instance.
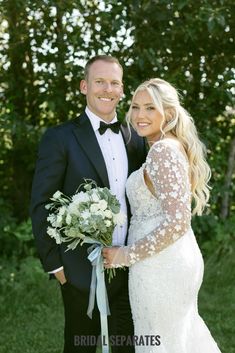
(68, 153)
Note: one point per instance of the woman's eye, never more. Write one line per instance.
(134, 107)
(151, 108)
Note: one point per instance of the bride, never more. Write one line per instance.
(166, 265)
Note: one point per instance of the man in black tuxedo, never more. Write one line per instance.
(87, 148)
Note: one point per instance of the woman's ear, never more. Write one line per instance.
(169, 114)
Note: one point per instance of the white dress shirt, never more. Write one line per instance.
(115, 157)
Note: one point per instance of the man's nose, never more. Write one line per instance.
(108, 87)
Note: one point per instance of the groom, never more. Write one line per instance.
(87, 147)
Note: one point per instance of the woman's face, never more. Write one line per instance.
(145, 117)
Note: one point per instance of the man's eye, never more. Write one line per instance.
(116, 84)
(99, 81)
(134, 107)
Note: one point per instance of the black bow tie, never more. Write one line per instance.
(115, 127)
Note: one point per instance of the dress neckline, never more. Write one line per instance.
(142, 169)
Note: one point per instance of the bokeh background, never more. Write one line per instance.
(43, 48)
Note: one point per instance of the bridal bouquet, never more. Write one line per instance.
(88, 216)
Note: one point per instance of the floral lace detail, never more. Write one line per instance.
(164, 286)
(167, 169)
(143, 204)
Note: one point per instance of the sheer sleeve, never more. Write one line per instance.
(167, 169)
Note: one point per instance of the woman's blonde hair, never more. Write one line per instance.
(179, 123)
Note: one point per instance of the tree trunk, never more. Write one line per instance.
(60, 82)
(224, 212)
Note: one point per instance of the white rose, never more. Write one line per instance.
(108, 214)
(80, 197)
(94, 208)
(73, 209)
(119, 218)
(51, 218)
(107, 223)
(100, 213)
(57, 221)
(103, 205)
(85, 214)
(59, 218)
(54, 234)
(62, 210)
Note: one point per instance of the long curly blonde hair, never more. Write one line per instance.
(178, 122)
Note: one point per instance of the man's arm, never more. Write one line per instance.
(48, 178)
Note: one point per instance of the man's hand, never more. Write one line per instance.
(61, 277)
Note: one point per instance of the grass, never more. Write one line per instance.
(31, 317)
(217, 300)
(31, 314)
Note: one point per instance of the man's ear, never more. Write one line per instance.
(122, 92)
(83, 87)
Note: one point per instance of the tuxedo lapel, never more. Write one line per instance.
(87, 140)
(127, 135)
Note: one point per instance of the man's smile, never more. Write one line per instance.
(106, 99)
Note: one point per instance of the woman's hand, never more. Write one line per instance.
(115, 256)
(109, 255)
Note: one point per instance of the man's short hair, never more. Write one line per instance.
(106, 58)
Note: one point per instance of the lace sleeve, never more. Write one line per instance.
(167, 169)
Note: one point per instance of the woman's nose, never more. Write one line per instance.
(139, 113)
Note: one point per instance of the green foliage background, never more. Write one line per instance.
(43, 47)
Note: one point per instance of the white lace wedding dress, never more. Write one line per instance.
(166, 264)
